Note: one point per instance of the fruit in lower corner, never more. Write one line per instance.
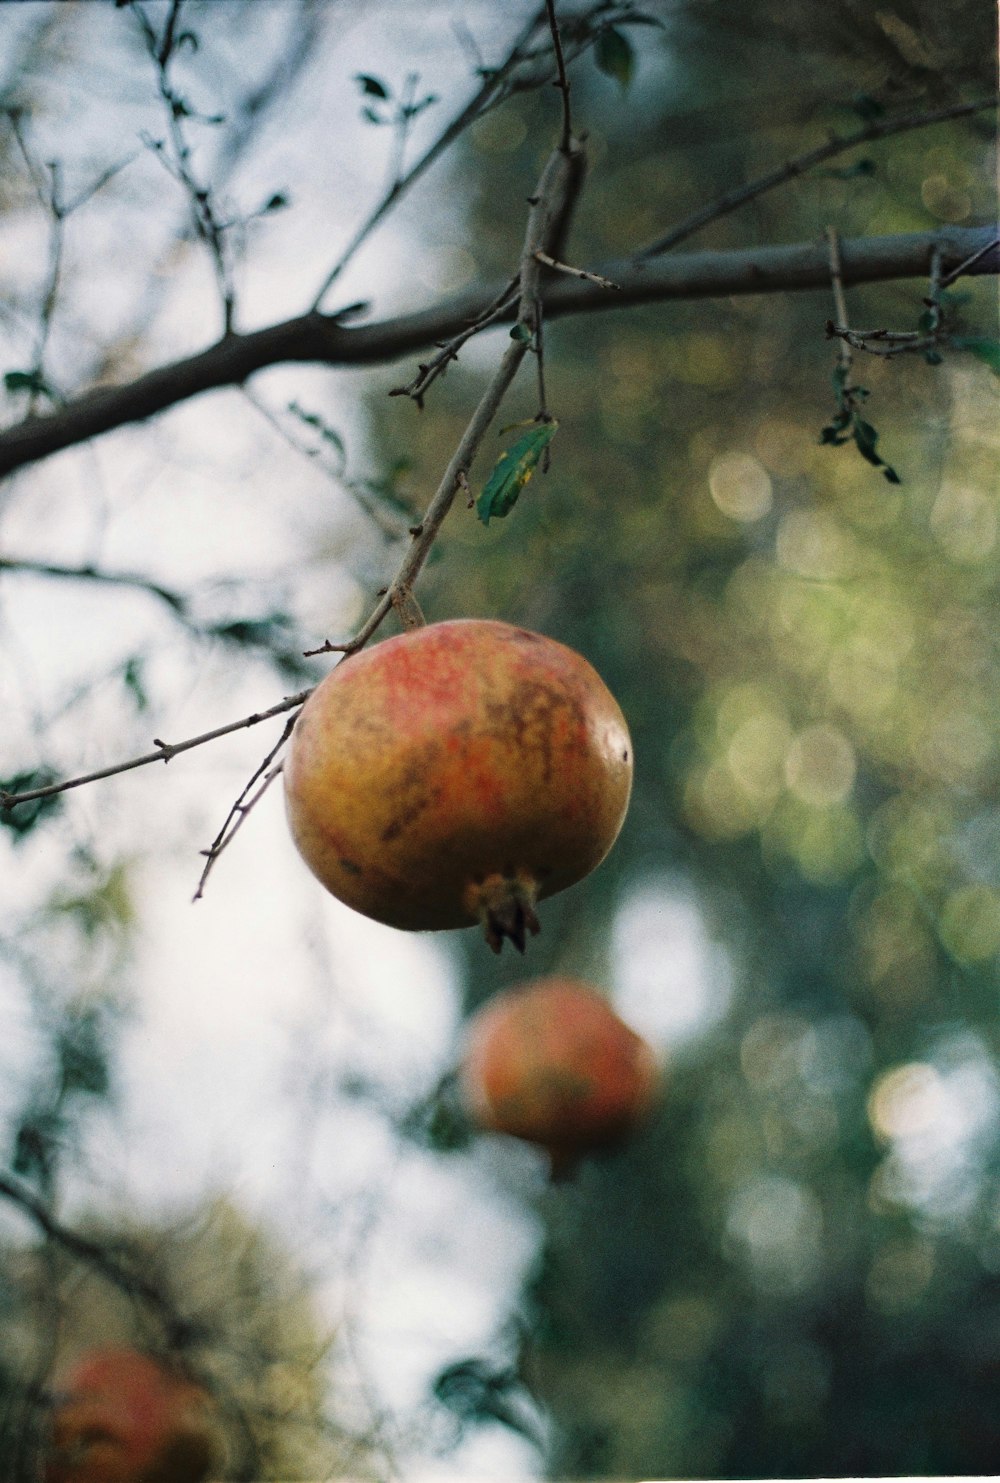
(124, 1417)
(458, 772)
(552, 1063)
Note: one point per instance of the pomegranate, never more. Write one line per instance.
(123, 1417)
(455, 773)
(551, 1062)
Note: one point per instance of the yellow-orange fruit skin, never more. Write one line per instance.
(459, 751)
(122, 1417)
(550, 1062)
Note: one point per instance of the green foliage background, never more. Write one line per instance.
(807, 658)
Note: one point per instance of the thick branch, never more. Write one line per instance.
(325, 339)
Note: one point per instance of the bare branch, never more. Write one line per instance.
(970, 262)
(562, 81)
(549, 203)
(163, 753)
(240, 809)
(550, 262)
(255, 633)
(207, 223)
(428, 373)
(173, 600)
(839, 300)
(401, 184)
(125, 1278)
(325, 339)
(791, 169)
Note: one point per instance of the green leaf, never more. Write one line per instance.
(329, 434)
(26, 381)
(21, 819)
(984, 350)
(859, 170)
(512, 470)
(133, 680)
(372, 87)
(615, 56)
(370, 116)
(867, 108)
(866, 438)
(83, 1061)
(36, 1144)
(252, 631)
(521, 332)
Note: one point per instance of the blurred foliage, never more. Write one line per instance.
(794, 1270)
(231, 1309)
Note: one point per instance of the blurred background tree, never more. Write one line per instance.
(793, 1270)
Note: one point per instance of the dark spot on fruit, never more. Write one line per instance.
(351, 866)
(625, 755)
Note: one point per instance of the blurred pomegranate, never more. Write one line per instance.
(552, 1063)
(123, 1417)
(455, 773)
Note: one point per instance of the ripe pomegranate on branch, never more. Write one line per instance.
(456, 773)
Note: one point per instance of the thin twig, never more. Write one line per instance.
(886, 343)
(209, 228)
(839, 298)
(539, 348)
(49, 196)
(238, 813)
(490, 85)
(91, 1252)
(969, 262)
(163, 753)
(392, 529)
(173, 600)
(549, 203)
(428, 371)
(550, 262)
(837, 144)
(562, 81)
(253, 634)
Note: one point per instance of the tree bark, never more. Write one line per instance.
(326, 339)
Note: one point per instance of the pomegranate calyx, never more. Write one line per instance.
(505, 905)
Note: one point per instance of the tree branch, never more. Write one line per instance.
(837, 144)
(560, 179)
(163, 753)
(125, 1278)
(485, 95)
(325, 339)
(553, 197)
